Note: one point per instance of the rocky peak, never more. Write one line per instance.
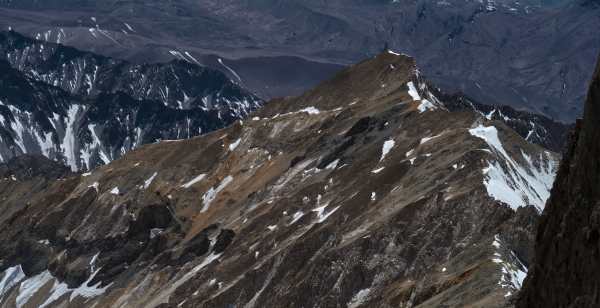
(376, 79)
(364, 191)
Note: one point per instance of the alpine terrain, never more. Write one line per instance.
(363, 192)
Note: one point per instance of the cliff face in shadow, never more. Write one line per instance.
(566, 267)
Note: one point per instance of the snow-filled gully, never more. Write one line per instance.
(515, 186)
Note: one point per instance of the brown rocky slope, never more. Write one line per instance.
(362, 192)
(565, 271)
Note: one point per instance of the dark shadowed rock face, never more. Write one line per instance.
(223, 240)
(535, 128)
(30, 166)
(566, 267)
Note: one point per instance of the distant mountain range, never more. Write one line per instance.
(177, 84)
(533, 55)
(96, 115)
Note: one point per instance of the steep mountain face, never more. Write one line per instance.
(565, 270)
(178, 84)
(85, 132)
(535, 128)
(479, 47)
(363, 192)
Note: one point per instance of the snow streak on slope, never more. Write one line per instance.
(512, 183)
(68, 144)
(236, 75)
(11, 277)
(30, 286)
(212, 193)
(512, 275)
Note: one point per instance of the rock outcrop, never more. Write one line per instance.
(29, 166)
(566, 268)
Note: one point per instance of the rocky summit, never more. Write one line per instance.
(363, 192)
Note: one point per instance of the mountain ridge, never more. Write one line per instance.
(352, 194)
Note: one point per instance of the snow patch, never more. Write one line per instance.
(358, 299)
(425, 104)
(296, 217)
(310, 110)
(412, 91)
(427, 139)
(115, 191)
(149, 181)
(236, 75)
(333, 164)
(30, 286)
(515, 186)
(205, 262)
(387, 146)
(95, 185)
(212, 193)
(320, 211)
(194, 181)
(11, 277)
(88, 292)
(234, 145)
(154, 232)
(93, 262)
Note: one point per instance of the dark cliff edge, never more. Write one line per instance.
(566, 267)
